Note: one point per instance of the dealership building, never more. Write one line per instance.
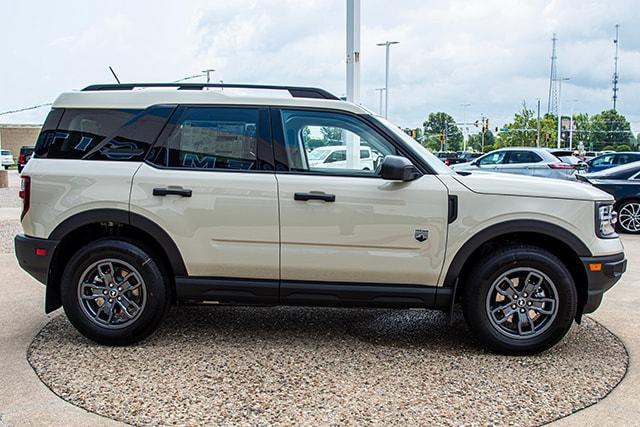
(14, 136)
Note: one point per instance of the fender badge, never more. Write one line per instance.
(421, 235)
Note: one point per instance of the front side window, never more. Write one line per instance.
(492, 158)
(212, 138)
(332, 143)
(603, 160)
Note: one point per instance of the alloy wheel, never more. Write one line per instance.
(112, 293)
(522, 303)
(629, 217)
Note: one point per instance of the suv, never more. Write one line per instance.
(143, 196)
(23, 158)
(6, 159)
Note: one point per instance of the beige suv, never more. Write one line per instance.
(140, 196)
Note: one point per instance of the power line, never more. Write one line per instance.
(25, 109)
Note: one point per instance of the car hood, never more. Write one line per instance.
(527, 186)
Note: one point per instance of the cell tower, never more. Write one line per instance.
(552, 103)
(615, 71)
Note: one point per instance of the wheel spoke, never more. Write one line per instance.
(525, 321)
(126, 282)
(505, 288)
(106, 272)
(507, 310)
(543, 305)
(96, 291)
(532, 282)
(125, 310)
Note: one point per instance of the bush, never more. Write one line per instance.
(608, 148)
(623, 147)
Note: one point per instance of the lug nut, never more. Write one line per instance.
(119, 298)
(104, 292)
(110, 300)
(522, 310)
(530, 303)
(119, 288)
(524, 295)
(513, 306)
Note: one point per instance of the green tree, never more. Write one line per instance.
(523, 130)
(623, 147)
(475, 141)
(331, 135)
(438, 123)
(610, 128)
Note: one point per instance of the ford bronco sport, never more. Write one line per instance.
(143, 196)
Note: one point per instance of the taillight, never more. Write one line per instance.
(561, 166)
(21, 158)
(25, 194)
(446, 162)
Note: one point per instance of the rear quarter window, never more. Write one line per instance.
(102, 134)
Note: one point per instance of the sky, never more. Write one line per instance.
(492, 54)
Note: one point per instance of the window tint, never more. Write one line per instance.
(623, 159)
(325, 142)
(603, 160)
(212, 138)
(523, 157)
(132, 141)
(494, 158)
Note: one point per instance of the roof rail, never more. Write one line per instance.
(296, 92)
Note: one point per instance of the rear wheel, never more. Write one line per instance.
(629, 217)
(519, 300)
(114, 292)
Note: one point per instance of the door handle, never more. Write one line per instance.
(177, 191)
(314, 196)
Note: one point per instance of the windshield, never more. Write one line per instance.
(617, 172)
(318, 154)
(416, 147)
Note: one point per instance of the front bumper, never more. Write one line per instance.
(602, 279)
(34, 255)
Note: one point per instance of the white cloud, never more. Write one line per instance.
(493, 54)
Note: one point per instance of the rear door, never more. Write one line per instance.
(523, 162)
(209, 182)
(348, 225)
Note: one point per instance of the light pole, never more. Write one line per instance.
(386, 44)
(465, 137)
(538, 132)
(560, 80)
(381, 91)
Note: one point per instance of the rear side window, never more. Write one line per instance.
(523, 157)
(214, 138)
(103, 134)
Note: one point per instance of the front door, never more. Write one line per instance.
(348, 224)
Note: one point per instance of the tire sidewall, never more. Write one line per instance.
(490, 270)
(157, 295)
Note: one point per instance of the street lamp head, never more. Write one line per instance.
(386, 43)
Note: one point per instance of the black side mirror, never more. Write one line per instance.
(398, 168)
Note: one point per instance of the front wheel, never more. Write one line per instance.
(114, 292)
(519, 300)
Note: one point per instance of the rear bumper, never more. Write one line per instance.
(34, 255)
(598, 282)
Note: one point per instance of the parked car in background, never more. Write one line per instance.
(521, 161)
(335, 156)
(24, 156)
(6, 158)
(449, 157)
(610, 160)
(468, 156)
(623, 183)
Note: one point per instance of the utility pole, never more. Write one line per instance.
(552, 104)
(615, 71)
(381, 90)
(209, 72)
(538, 136)
(483, 129)
(465, 136)
(572, 101)
(387, 45)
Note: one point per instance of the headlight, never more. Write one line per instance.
(606, 219)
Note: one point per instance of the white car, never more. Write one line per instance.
(335, 157)
(6, 159)
(141, 196)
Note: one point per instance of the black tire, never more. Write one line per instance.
(154, 296)
(626, 222)
(479, 293)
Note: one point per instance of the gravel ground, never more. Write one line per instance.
(258, 366)
(9, 198)
(8, 229)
